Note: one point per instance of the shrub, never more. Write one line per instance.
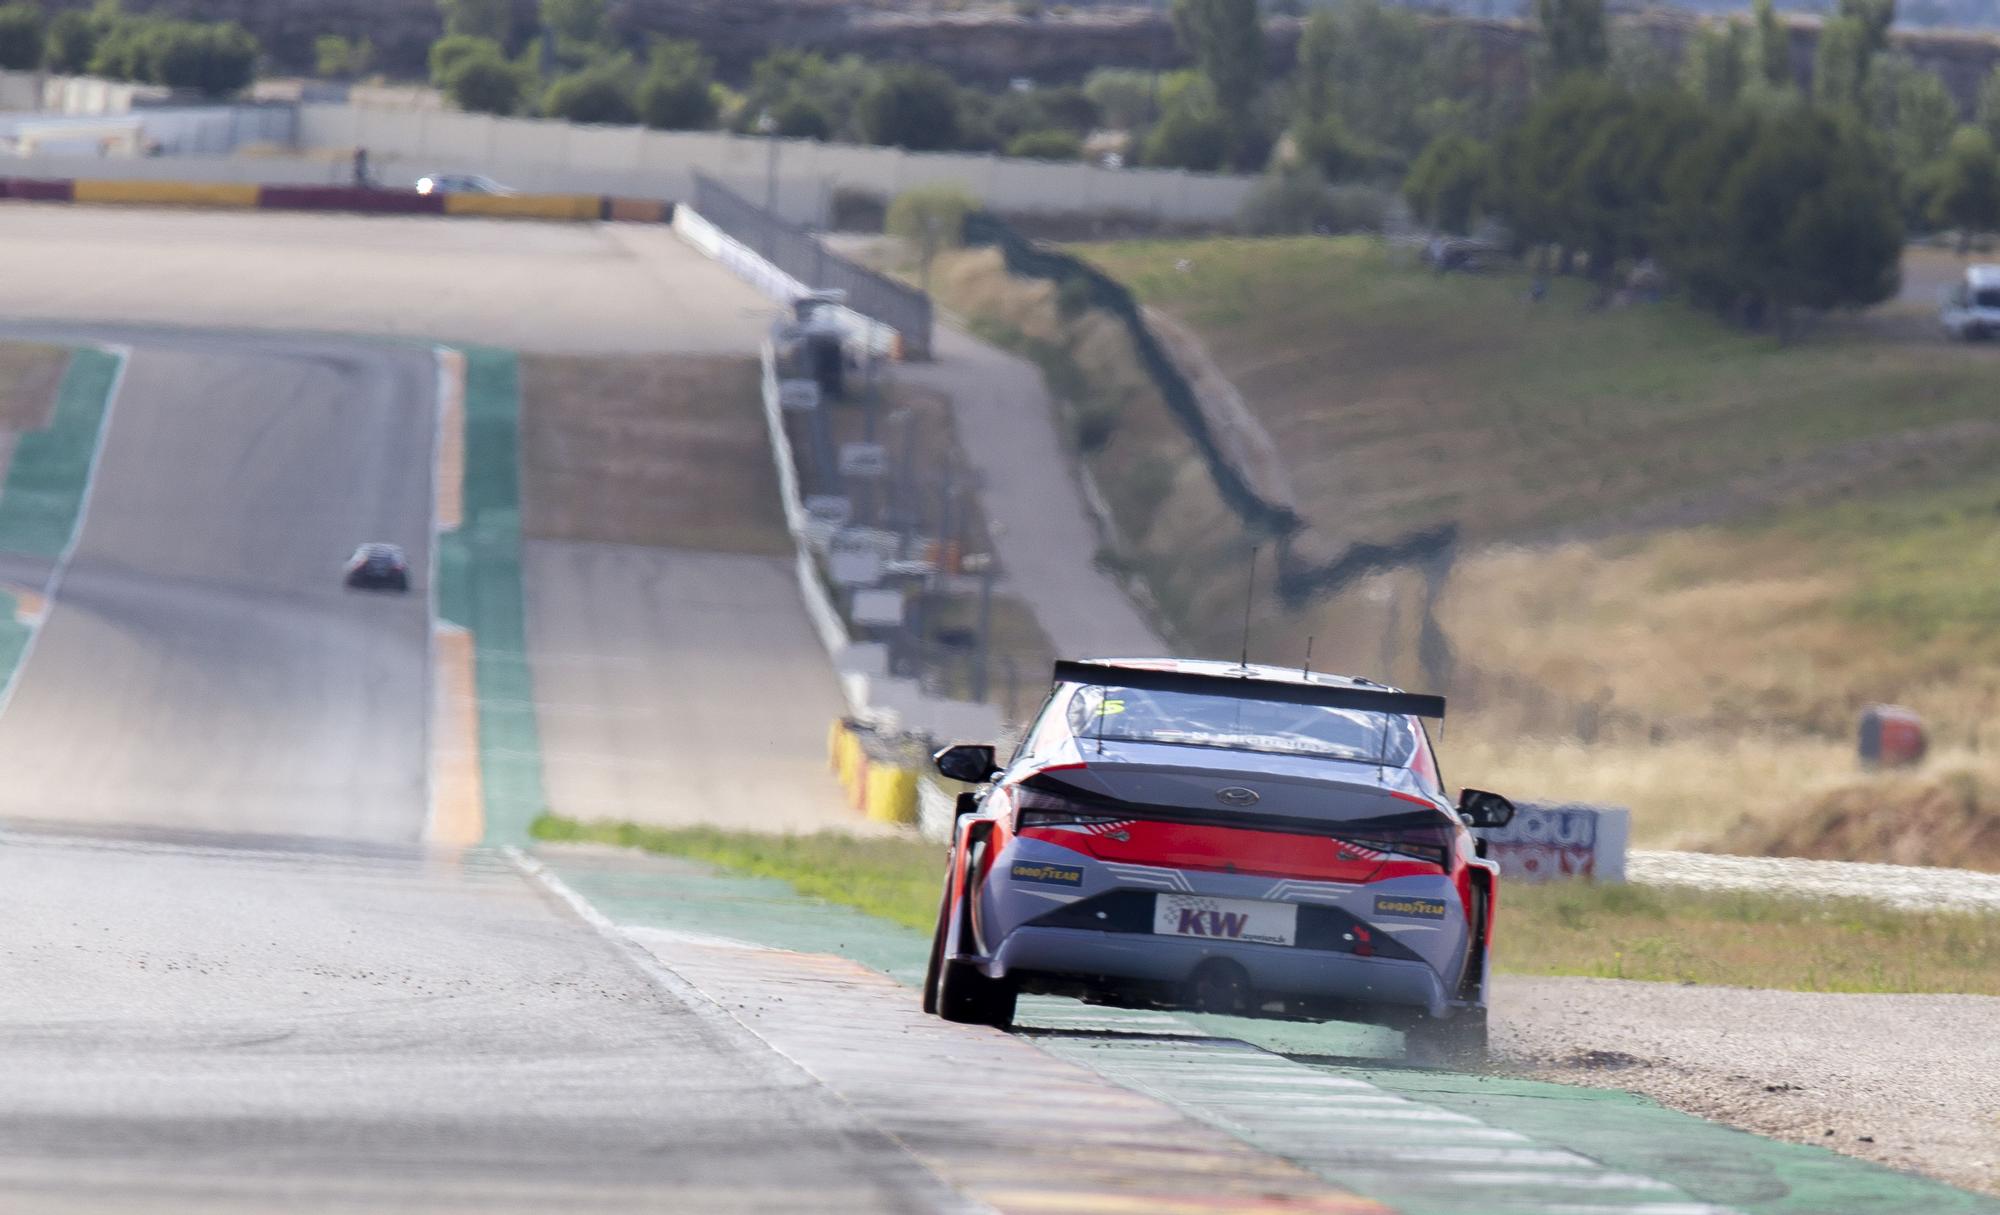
(1298, 200)
(1046, 145)
(23, 41)
(911, 107)
(452, 49)
(677, 93)
(600, 94)
(486, 83)
(931, 216)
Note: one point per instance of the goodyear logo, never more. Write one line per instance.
(1046, 874)
(1414, 908)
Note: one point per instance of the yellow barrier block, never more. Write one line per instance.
(892, 794)
(167, 193)
(526, 206)
(639, 210)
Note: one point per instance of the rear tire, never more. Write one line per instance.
(1458, 1041)
(933, 974)
(968, 997)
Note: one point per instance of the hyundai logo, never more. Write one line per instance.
(1236, 795)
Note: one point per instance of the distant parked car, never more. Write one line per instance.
(378, 567)
(461, 183)
(1972, 310)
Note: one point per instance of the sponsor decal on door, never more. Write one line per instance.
(1190, 915)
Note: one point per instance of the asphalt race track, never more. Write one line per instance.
(202, 665)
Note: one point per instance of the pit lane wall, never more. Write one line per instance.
(581, 208)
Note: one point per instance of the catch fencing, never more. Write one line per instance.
(799, 253)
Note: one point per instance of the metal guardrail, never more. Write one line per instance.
(800, 254)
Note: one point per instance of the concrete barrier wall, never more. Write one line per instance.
(798, 175)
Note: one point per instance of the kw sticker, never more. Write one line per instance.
(1046, 874)
(1181, 915)
(1409, 906)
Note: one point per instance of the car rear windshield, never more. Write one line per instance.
(1239, 724)
(1986, 297)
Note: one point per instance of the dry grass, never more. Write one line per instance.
(29, 376)
(658, 451)
(1402, 397)
(1743, 940)
(1761, 540)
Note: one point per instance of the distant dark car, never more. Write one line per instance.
(378, 567)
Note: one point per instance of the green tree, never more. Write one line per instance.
(1925, 115)
(1333, 151)
(215, 60)
(1539, 158)
(1575, 34)
(678, 90)
(1378, 70)
(1450, 182)
(1192, 132)
(576, 22)
(1612, 196)
(1874, 17)
(335, 56)
(1774, 212)
(911, 107)
(1046, 145)
(23, 38)
(1773, 46)
(1965, 192)
(600, 93)
(452, 49)
(490, 19)
(483, 81)
(1124, 98)
(1989, 105)
(1226, 39)
(1718, 65)
(72, 42)
(1316, 72)
(1840, 65)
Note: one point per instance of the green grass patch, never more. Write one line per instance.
(894, 877)
(1603, 931)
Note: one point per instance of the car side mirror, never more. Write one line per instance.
(973, 763)
(1482, 809)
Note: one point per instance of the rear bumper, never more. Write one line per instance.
(1107, 960)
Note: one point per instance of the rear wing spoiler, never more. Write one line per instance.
(1248, 687)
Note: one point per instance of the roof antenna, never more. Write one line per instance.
(1249, 596)
(1306, 671)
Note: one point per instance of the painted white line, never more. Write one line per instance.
(61, 567)
(440, 357)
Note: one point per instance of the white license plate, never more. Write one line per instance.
(1193, 915)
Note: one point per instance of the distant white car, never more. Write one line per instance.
(461, 183)
(1972, 311)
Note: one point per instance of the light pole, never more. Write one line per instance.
(767, 126)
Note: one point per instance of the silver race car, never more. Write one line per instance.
(1237, 839)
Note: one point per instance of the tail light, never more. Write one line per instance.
(1035, 808)
(1431, 844)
